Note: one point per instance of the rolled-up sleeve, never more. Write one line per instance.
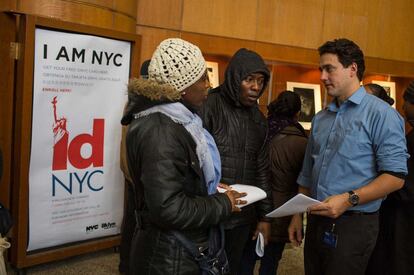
(390, 144)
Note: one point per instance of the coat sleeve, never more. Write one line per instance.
(165, 163)
(286, 159)
(263, 181)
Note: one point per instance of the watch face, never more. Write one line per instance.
(354, 199)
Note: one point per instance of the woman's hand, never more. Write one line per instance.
(235, 200)
(224, 186)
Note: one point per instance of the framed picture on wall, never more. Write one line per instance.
(213, 73)
(389, 88)
(310, 96)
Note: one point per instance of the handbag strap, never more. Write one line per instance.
(222, 237)
(205, 263)
(191, 248)
(187, 244)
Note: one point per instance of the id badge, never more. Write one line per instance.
(330, 239)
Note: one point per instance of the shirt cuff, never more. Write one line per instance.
(395, 174)
(304, 181)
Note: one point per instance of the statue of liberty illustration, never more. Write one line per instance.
(59, 126)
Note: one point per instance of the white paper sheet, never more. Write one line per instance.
(297, 204)
(260, 245)
(254, 193)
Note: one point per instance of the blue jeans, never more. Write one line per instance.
(268, 263)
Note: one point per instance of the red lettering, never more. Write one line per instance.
(62, 152)
(96, 140)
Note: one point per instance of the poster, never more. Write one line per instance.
(75, 184)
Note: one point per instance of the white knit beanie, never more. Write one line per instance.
(178, 63)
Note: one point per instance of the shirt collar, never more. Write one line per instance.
(358, 95)
(355, 98)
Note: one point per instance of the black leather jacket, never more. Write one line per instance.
(240, 134)
(170, 189)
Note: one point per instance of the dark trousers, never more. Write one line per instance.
(128, 227)
(356, 237)
(236, 239)
(268, 263)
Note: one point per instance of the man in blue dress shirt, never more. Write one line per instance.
(355, 156)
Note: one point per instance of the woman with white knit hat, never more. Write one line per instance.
(173, 161)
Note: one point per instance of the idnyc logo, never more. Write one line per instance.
(108, 225)
(66, 150)
(91, 228)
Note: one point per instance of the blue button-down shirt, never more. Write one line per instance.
(350, 144)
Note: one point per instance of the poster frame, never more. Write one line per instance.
(388, 86)
(19, 257)
(316, 88)
(213, 73)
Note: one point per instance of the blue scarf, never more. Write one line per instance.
(206, 149)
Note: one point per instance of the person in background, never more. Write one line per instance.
(144, 69)
(394, 252)
(356, 155)
(233, 118)
(6, 220)
(128, 222)
(173, 162)
(1, 164)
(287, 141)
(379, 92)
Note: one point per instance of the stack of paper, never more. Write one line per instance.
(254, 193)
(297, 204)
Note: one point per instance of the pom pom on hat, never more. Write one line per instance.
(178, 63)
(409, 93)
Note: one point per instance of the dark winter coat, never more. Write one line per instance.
(170, 188)
(240, 133)
(286, 152)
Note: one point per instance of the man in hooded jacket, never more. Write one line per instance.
(233, 118)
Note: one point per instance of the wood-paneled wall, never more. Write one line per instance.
(7, 35)
(380, 27)
(117, 15)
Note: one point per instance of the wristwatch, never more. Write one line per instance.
(353, 198)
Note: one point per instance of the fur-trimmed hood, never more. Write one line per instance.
(144, 94)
